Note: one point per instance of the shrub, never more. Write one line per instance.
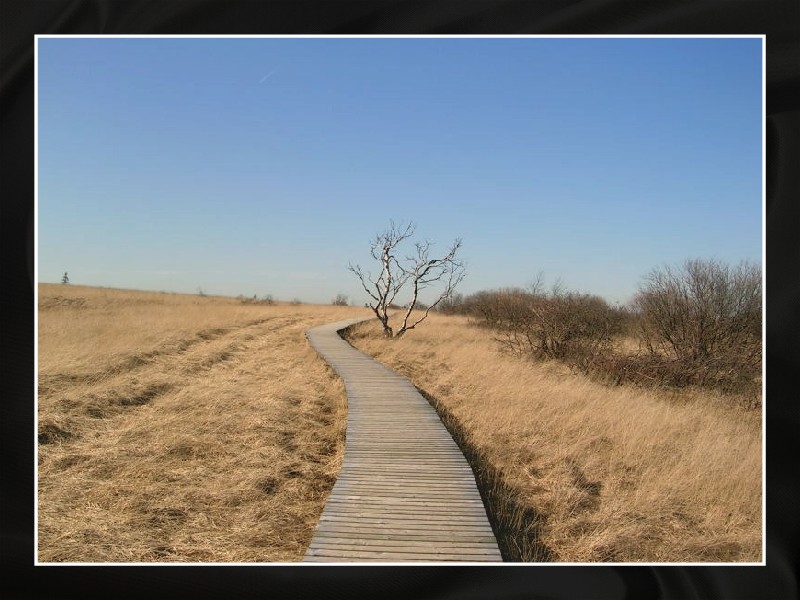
(340, 300)
(547, 325)
(706, 317)
(256, 300)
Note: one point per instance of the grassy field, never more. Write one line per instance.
(178, 428)
(182, 428)
(576, 471)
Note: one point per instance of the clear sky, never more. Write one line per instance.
(263, 166)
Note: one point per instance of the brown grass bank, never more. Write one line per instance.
(182, 428)
(582, 472)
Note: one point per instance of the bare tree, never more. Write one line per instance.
(418, 270)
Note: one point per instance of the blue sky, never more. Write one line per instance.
(263, 166)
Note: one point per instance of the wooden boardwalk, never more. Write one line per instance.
(405, 491)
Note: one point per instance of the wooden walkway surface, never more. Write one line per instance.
(405, 491)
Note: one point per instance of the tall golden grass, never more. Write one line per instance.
(177, 428)
(576, 471)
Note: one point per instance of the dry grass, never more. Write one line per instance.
(580, 472)
(189, 428)
(182, 428)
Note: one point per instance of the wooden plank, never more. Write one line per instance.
(402, 493)
(370, 543)
(405, 491)
(380, 511)
(380, 518)
(409, 484)
(418, 548)
(442, 507)
(415, 549)
(374, 559)
(422, 552)
(475, 537)
(432, 475)
(445, 480)
(406, 526)
(416, 501)
(340, 530)
(394, 555)
(411, 468)
(432, 551)
(423, 471)
(367, 517)
(430, 536)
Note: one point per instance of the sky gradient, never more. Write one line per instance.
(263, 166)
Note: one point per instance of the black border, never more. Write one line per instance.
(779, 20)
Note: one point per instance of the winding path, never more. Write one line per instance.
(405, 491)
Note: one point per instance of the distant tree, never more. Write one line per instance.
(65, 279)
(418, 270)
(452, 305)
(341, 300)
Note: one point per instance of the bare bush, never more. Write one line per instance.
(706, 316)
(268, 300)
(340, 300)
(557, 324)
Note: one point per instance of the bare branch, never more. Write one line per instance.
(363, 279)
(425, 272)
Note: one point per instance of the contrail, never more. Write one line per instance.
(268, 75)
